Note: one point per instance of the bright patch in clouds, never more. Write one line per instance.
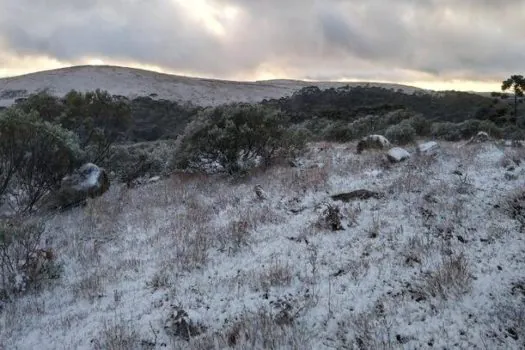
(215, 18)
(96, 62)
(445, 44)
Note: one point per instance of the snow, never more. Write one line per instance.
(428, 147)
(135, 82)
(344, 287)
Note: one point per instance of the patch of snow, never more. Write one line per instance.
(428, 147)
(209, 246)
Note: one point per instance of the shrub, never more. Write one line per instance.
(402, 133)
(96, 117)
(130, 162)
(447, 131)
(23, 264)
(34, 156)
(420, 124)
(236, 137)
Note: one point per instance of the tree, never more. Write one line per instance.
(517, 84)
(98, 119)
(34, 156)
(234, 136)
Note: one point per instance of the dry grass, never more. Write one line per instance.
(117, 336)
(262, 329)
(452, 278)
(418, 248)
(276, 274)
(90, 287)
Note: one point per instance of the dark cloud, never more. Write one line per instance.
(374, 39)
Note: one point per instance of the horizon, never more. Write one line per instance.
(466, 86)
(438, 45)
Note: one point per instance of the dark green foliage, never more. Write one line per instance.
(517, 84)
(234, 136)
(34, 156)
(159, 119)
(49, 107)
(401, 134)
(98, 118)
(130, 162)
(353, 103)
(465, 130)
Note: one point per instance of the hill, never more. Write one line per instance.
(131, 83)
(437, 262)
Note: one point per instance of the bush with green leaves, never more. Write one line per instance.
(130, 162)
(96, 117)
(446, 130)
(34, 156)
(236, 137)
(401, 134)
(464, 130)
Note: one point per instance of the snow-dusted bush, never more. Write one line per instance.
(452, 278)
(145, 159)
(34, 156)
(401, 134)
(235, 137)
(24, 264)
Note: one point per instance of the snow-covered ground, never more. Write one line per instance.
(131, 83)
(434, 263)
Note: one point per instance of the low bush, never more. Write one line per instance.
(401, 134)
(24, 264)
(233, 138)
(34, 157)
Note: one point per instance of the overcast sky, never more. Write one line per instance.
(469, 43)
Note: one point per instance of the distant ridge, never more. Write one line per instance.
(131, 82)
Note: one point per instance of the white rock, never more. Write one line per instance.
(428, 147)
(154, 179)
(397, 154)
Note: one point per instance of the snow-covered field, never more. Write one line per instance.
(434, 263)
(131, 83)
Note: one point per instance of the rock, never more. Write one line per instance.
(397, 154)
(428, 147)
(482, 136)
(88, 181)
(153, 179)
(357, 194)
(372, 141)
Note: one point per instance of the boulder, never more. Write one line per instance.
(481, 136)
(428, 147)
(88, 181)
(357, 194)
(372, 141)
(397, 154)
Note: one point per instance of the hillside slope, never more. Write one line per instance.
(131, 83)
(436, 263)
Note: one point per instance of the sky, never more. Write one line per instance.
(436, 44)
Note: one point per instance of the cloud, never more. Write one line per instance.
(366, 39)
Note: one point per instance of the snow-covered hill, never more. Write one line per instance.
(436, 262)
(131, 83)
